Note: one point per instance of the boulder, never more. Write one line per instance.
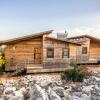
(85, 97)
(77, 94)
(96, 78)
(68, 89)
(53, 96)
(23, 90)
(18, 95)
(96, 87)
(1, 97)
(74, 98)
(9, 90)
(95, 97)
(1, 89)
(37, 93)
(87, 89)
(67, 96)
(59, 91)
(45, 83)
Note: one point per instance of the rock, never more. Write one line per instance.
(9, 90)
(45, 83)
(74, 98)
(31, 87)
(37, 93)
(96, 78)
(1, 97)
(7, 97)
(96, 87)
(67, 96)
(77, 94)
(53, 96)
(85, 97)
(1, 89)
(87, 89)
(59, 91)
(25, 91)
(95, 98)
(13, 94)
(22, 90)
(68, 89)
(34, 93)
(97, 75)
(18, 95)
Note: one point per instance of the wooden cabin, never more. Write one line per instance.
(89, 51)
(39, 53)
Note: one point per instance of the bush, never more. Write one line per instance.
(73, 74)
(2, 62)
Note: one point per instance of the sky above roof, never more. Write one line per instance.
(22, 17)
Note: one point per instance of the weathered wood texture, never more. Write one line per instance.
(72, 52)
(34, 51)
(76, 51)
(58, 61)
(23, 52)
(50, 70)
(95, 50)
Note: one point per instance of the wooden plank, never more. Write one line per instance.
(48, 70)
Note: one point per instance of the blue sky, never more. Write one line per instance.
(22, 17)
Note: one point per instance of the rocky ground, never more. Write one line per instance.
(49, 87)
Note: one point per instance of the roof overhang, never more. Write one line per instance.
(15, 40)
(87, 36)
(64, 41)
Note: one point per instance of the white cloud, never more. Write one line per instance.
(92, 30)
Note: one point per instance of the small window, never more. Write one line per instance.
(50, 53)
(84, 50)
(65, 53)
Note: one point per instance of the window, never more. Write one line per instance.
(84, 50)
(50, 53)
(65, 53)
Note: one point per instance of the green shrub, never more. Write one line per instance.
(2, 62)
(73, 74)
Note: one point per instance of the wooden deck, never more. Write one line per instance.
(40, 69)
(91, 61)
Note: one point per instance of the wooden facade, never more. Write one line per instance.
(58, 60)
(31, 52)
(89, 51)
(94, 50)
(24, 51)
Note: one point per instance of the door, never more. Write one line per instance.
(37, 55)
(85, 54)
(78, 54)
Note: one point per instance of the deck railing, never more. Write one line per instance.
(27, 63)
